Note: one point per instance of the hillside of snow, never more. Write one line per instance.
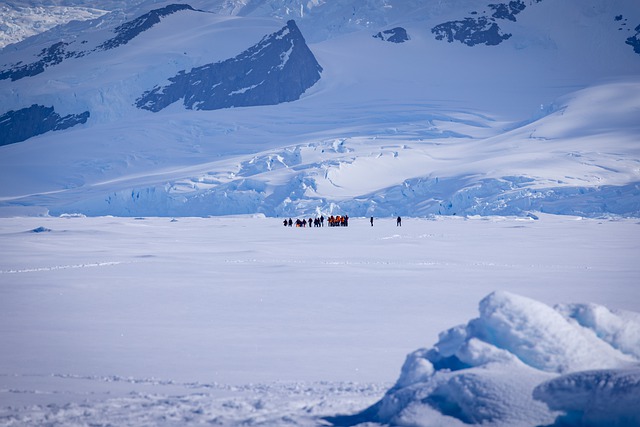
(481, 109)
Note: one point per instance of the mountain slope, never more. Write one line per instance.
(545, 120)
(278, 69)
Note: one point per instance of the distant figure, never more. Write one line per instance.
(371, 221)
(399, 222)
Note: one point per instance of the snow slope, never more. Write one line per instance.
(544, 121)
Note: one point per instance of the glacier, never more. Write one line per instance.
(544, 121)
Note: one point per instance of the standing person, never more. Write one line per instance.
(399, 222)
(371, 220)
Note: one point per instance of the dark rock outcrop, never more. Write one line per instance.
(131, 29)
(507, 10)
(280, 68)
(50, 56)
(471, 31)
(481, 29)
(634, 41)
(394, 35)
(20, 125)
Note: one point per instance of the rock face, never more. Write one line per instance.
(49, 56)
(507, 10)
(394, 35)
(131, 29)
(634, 41)
(480, 29)
(20, 125)
(471, 31)
(278, 69)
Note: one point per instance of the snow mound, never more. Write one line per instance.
(516, 364)
(537, 335)
(620, 329)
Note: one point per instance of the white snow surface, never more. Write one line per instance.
(238, 320)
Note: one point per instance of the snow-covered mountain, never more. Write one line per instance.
(371, 107)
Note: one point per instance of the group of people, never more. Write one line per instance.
(333, 221)
(338, 221)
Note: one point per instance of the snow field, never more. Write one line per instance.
(230, 316)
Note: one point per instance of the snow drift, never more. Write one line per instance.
(521, 363)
